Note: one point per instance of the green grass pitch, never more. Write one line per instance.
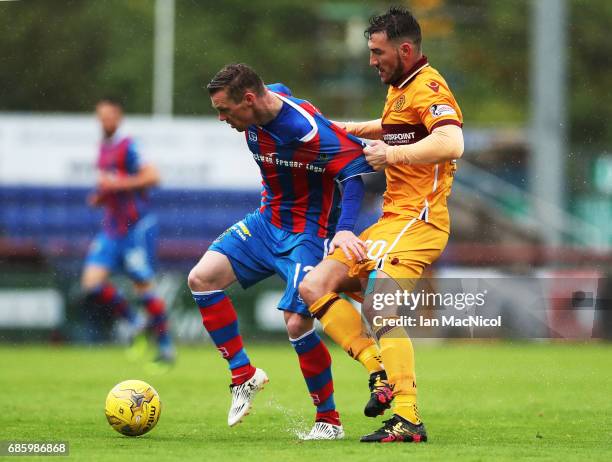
(480, 401)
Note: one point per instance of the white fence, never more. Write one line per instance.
(61, 150)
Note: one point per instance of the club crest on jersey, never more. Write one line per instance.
(435, 86)
(252, 136)
(399, 103)
(439, 110)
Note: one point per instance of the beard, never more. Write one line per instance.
(109, 133)
(398, 73)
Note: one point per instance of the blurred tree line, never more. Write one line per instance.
(62, 55)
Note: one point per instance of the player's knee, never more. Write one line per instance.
(90, 283)
(298, 325)
(144, 286)
(199, 281)
(310, 290)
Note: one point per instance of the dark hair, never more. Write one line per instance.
(237, 79)
(396, 23)
(113, 101)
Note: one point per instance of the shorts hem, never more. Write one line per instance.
(306, 313)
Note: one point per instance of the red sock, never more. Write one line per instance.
(220, 320)
(330, 417)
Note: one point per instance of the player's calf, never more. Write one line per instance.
(221, 321)
(158, 324)
(315, 364)
(107, 296)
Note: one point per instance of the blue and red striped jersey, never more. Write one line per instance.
(303, 157)
(122, 209)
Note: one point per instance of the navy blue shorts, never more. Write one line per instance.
(257, 249)
(134, 253)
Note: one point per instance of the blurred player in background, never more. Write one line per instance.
(418, 140)
(127, 240)
(303, 158)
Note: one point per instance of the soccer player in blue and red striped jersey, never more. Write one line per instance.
(129, 231)
(305, 162)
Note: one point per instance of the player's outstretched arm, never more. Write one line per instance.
(345, 239)
(147, 176)
(371, 130)
(442, 144)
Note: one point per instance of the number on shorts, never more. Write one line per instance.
(298, 267)
(375, 248)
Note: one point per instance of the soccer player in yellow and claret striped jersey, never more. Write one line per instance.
(417, 142)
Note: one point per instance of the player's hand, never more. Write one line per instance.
(108, 182)
(376, 154)
(342, 125)
(350, 244)
(95, 199)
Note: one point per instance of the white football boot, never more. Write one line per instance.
(325, 431)
(243, 395)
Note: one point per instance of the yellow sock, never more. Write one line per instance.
(343, 324)
(370, 358)
(406, 407)
(398, 357)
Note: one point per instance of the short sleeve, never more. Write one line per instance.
(435, 105)
(133, 161)
(280, 88)
(357, 166)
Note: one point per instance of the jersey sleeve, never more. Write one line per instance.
(357, 166)
(280, 88)
(352, 196)
(435, 104)
(132, 161)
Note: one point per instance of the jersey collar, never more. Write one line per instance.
(114, 138)
(418, 66)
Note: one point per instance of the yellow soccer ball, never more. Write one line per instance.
(132, 407)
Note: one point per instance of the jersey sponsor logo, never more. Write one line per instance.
(435, 86)
(266, 158)
(439, 110)
(398, 137)
(399, 103)
(273, 158)
(396, 134)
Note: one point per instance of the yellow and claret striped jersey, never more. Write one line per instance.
(421, 103)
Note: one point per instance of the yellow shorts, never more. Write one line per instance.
(400, 246)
